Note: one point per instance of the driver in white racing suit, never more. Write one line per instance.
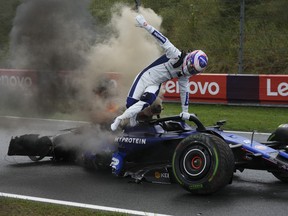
(146, 86)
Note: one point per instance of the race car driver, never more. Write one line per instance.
(146, 86)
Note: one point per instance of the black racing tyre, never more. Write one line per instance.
(280, 134)
(43, 147)
(203, 163)
(282, 176)
(36, 158)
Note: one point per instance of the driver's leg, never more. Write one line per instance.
(146, 99)
(129, 113)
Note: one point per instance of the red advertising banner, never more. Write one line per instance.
(11, 78)
(206, 88)
(202, 88)
(273, 89)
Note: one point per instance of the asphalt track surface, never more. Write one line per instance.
(251, 193)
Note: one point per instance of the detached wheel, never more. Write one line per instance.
(43, 148)
(36, 158)
(203, 163)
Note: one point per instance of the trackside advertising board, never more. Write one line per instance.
(273, 89)
(15, 79)
(237, 89)
(203, 88)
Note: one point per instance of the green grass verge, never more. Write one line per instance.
(11, 207)
(242, 118)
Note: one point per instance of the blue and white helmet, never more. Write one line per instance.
(194, 63)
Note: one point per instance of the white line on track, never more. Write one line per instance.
(80, 205)
(83, 205)
(67, 203)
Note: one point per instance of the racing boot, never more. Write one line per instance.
(117, 163)
(133, 121)
(129, 113)
(116, 123)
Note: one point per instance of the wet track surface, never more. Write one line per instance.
(251, 193)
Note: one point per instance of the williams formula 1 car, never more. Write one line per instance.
(165, 150)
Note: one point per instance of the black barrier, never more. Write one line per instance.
(242, 89)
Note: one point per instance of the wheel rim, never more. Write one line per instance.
(195, 162)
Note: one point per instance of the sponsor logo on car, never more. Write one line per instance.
(161, 175)
(260, 147)
(157, 175)
(246, 141)
(195, 186)
(131, 140)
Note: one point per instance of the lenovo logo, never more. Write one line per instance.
(276, 89)
(273, 88)
(15, 81)
(202, 88)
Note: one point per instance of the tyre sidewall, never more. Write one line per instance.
(218, 171)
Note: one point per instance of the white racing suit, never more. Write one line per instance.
(147, 83)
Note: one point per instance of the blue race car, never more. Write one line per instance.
(165, 150)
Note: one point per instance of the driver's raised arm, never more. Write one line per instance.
(170, 49)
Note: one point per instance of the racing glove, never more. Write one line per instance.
(142, 23)
(185, 115)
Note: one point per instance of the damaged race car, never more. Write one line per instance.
(200, 159)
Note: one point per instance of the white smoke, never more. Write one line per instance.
(131, 48)
(90, 139)
(52, 35)
(125, 50)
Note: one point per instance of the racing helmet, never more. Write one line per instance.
(194, 62)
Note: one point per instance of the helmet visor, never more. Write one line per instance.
(191, 69)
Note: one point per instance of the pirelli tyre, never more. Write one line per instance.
(203, 163)
(280, 134)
